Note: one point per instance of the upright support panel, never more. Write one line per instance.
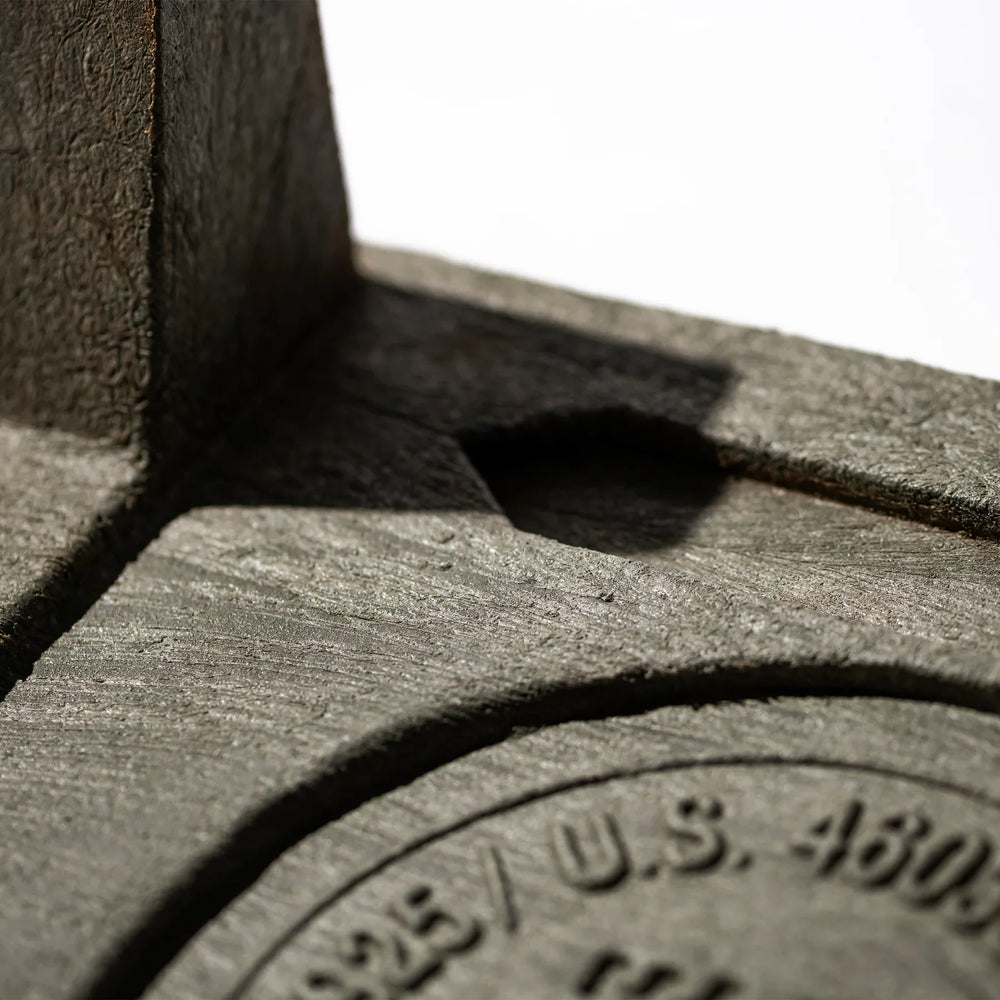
(172, 212)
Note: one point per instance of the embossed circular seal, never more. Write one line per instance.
(682, 879)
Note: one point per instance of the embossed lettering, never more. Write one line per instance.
(500, 888)
(943, 867)
(957, 872)
(448, 933)
(590, 854)
(612, 973)
(878, 858)
(827, 840)
(698, 843)
(361, 967)
(976, 905)
(384, 959)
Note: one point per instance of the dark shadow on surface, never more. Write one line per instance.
(380, 410)
(385, 409)
(368, 413)
(395, 406)
(605, 481)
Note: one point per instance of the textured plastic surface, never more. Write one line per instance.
(347, 605)
(404, 605)
(172, 210)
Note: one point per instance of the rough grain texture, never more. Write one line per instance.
(758, 540)
(172, 220)
(693, 854)
(76, 198)
(61, 503)
(172, 209)
(207, 775)
(254, 246)
(347, 606)
(873, 430)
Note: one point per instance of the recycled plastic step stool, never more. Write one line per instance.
(373, 627)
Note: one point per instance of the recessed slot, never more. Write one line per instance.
(651, 493)
(608, 481)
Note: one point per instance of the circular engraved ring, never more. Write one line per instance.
(685, 879)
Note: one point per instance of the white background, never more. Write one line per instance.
(830, 169)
